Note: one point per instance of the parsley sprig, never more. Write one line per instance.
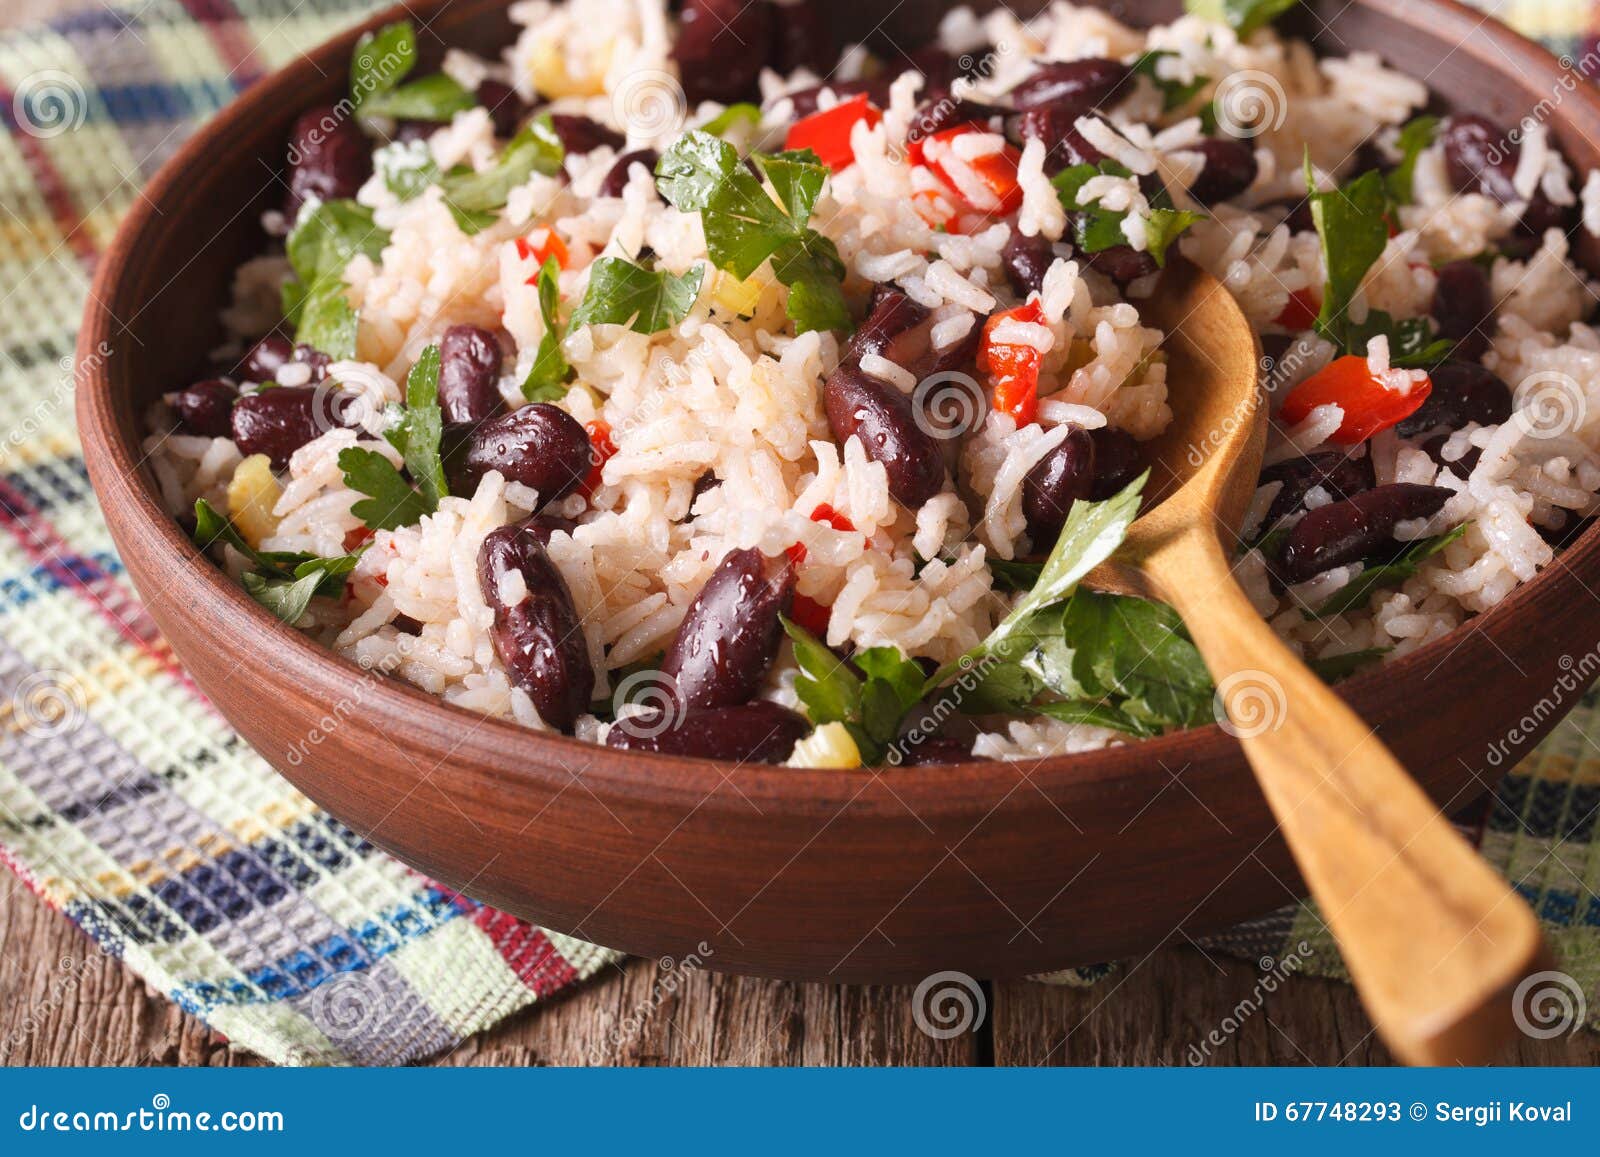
(745, 226)
(415, 431)
(1096, 229)
(282, 581)
(326, 238)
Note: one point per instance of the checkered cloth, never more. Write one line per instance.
(128, 804)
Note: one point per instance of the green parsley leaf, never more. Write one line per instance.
(285, 598)
(325, 239)
(744, 227)
(406, 168)
(1096, 229)
(381, 60)
(433, 98)
(1135, 653)
(421, 426)
(546, 380)
(1010, 575)
(1336, 667)
(1351, 226)
(391, 502)
(870, 694)
(647, 301)
(1411, 342)
(475, 199)
(734, 114)
(1243, 16)
(1096, 715)
(1174, 94)
(282, 581)
(1416, 136)
(1390, 574)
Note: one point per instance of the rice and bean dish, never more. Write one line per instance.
(693, 382)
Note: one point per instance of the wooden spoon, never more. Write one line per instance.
(1434, 939)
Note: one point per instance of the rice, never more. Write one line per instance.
(732, 394)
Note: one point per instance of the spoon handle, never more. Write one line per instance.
(1434, 939)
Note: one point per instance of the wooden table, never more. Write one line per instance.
(62, 1003)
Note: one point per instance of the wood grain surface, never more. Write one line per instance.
(62, 1003)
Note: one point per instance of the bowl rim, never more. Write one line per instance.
(520, 752)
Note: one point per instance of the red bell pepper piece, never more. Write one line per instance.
(1369, 405)
(827, 133)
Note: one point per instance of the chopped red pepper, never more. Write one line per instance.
(996, 172)
(354, 538)
(1013, 370)
(541, 245)
(827, 133)
(1301, 311)
(797, 554)
(832, 517)
(601, 450)
(811, 615)
(1369, 405)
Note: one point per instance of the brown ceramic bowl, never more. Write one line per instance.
(995, 869)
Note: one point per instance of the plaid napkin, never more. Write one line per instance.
(128, 804)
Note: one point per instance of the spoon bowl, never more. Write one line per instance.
(1435, 941)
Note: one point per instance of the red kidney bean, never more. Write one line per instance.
(506, 108)
(329, 158)
(1116, 462)
(750, 733)
(730, 633)
(616, 178)
(1480, 158)
(1082, 84)
(1462, 304)
(1026, 260)
(581, 134)
(315, 359)
(1056, 126)
(469, 374)
(1586, 251)
(1462, 466)
(1339, 474)
(1121, 263)
(721, 48)
(1462, 392)
(263, 360)
(802, 38)
(1230, 169)
(936, 752)
(1055, 482)
(539, 639)
(206, 408)
(1356, 528)
(538, 445)
(882, 417)
(1297, 213)
(899, 329)
(278, 421)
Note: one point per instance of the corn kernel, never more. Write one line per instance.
(828, 746)
(252, 494)
(553, 79)
(740, 297)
